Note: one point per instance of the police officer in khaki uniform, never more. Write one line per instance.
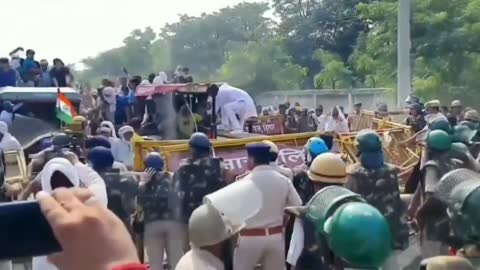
(262, 239)
(287, 172)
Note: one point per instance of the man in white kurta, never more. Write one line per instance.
(80, 175)
(262, 239)
(230, 102)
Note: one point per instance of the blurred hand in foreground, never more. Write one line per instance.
(91, 236)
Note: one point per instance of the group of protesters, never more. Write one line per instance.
(23, 70)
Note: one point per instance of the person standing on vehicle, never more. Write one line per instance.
(200, 175)
(60, 74)
(377, 182)
(156, 198)
(45, 79)
(262, 239)
(8, 75)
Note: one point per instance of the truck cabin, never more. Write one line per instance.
(175, 111)
(35, 108)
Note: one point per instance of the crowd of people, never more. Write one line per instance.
(166, 212)
(26, 71)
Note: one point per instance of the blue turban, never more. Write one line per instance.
(100, 158)
(97, 141)
(154, 161)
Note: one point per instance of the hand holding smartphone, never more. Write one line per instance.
(24, 231)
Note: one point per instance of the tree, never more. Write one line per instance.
(262, 66)
(334, 73)
(331, 25)
(445, 54)
(201, 42)
(141, 54)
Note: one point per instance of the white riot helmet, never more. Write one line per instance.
(224, 213)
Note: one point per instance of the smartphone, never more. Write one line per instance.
(24, 231)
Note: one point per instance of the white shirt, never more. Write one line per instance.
(6, 117)
(90, 179)
(287, 172)
(321, 121)
(296, 242)
(277, 192)
(228, 94)
(123, 152)
(337, 125)
(9, 143)
(198, 259)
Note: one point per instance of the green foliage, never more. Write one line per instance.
(202, 42)
(260, 66)
(353, 44)
(334, 73)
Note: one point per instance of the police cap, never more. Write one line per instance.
(258, 150)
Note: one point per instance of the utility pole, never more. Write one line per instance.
(404, 80)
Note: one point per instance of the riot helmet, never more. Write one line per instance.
(155, 161)
(439, 140)
(368, 141)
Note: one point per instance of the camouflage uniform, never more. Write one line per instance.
(436, 225)
(162, 232)
(380, 188)
(121, 192)
(156, 200)
(194, 180)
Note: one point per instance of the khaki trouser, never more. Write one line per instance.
(6, 265)
(164, 236)
(269, 251)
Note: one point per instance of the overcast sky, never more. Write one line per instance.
(75, 29)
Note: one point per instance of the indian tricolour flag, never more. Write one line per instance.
(65, 109)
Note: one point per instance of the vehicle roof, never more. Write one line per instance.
(37, 93)
(187, 88)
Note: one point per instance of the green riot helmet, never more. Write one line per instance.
(368, 141)
(463, 134)
(358, 233)
(439, 140)
(355, 231)
(460, 190)
(441, 124)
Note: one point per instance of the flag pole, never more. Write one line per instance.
(58, 106)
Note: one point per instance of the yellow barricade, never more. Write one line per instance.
(231, 150)
(402, 157)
